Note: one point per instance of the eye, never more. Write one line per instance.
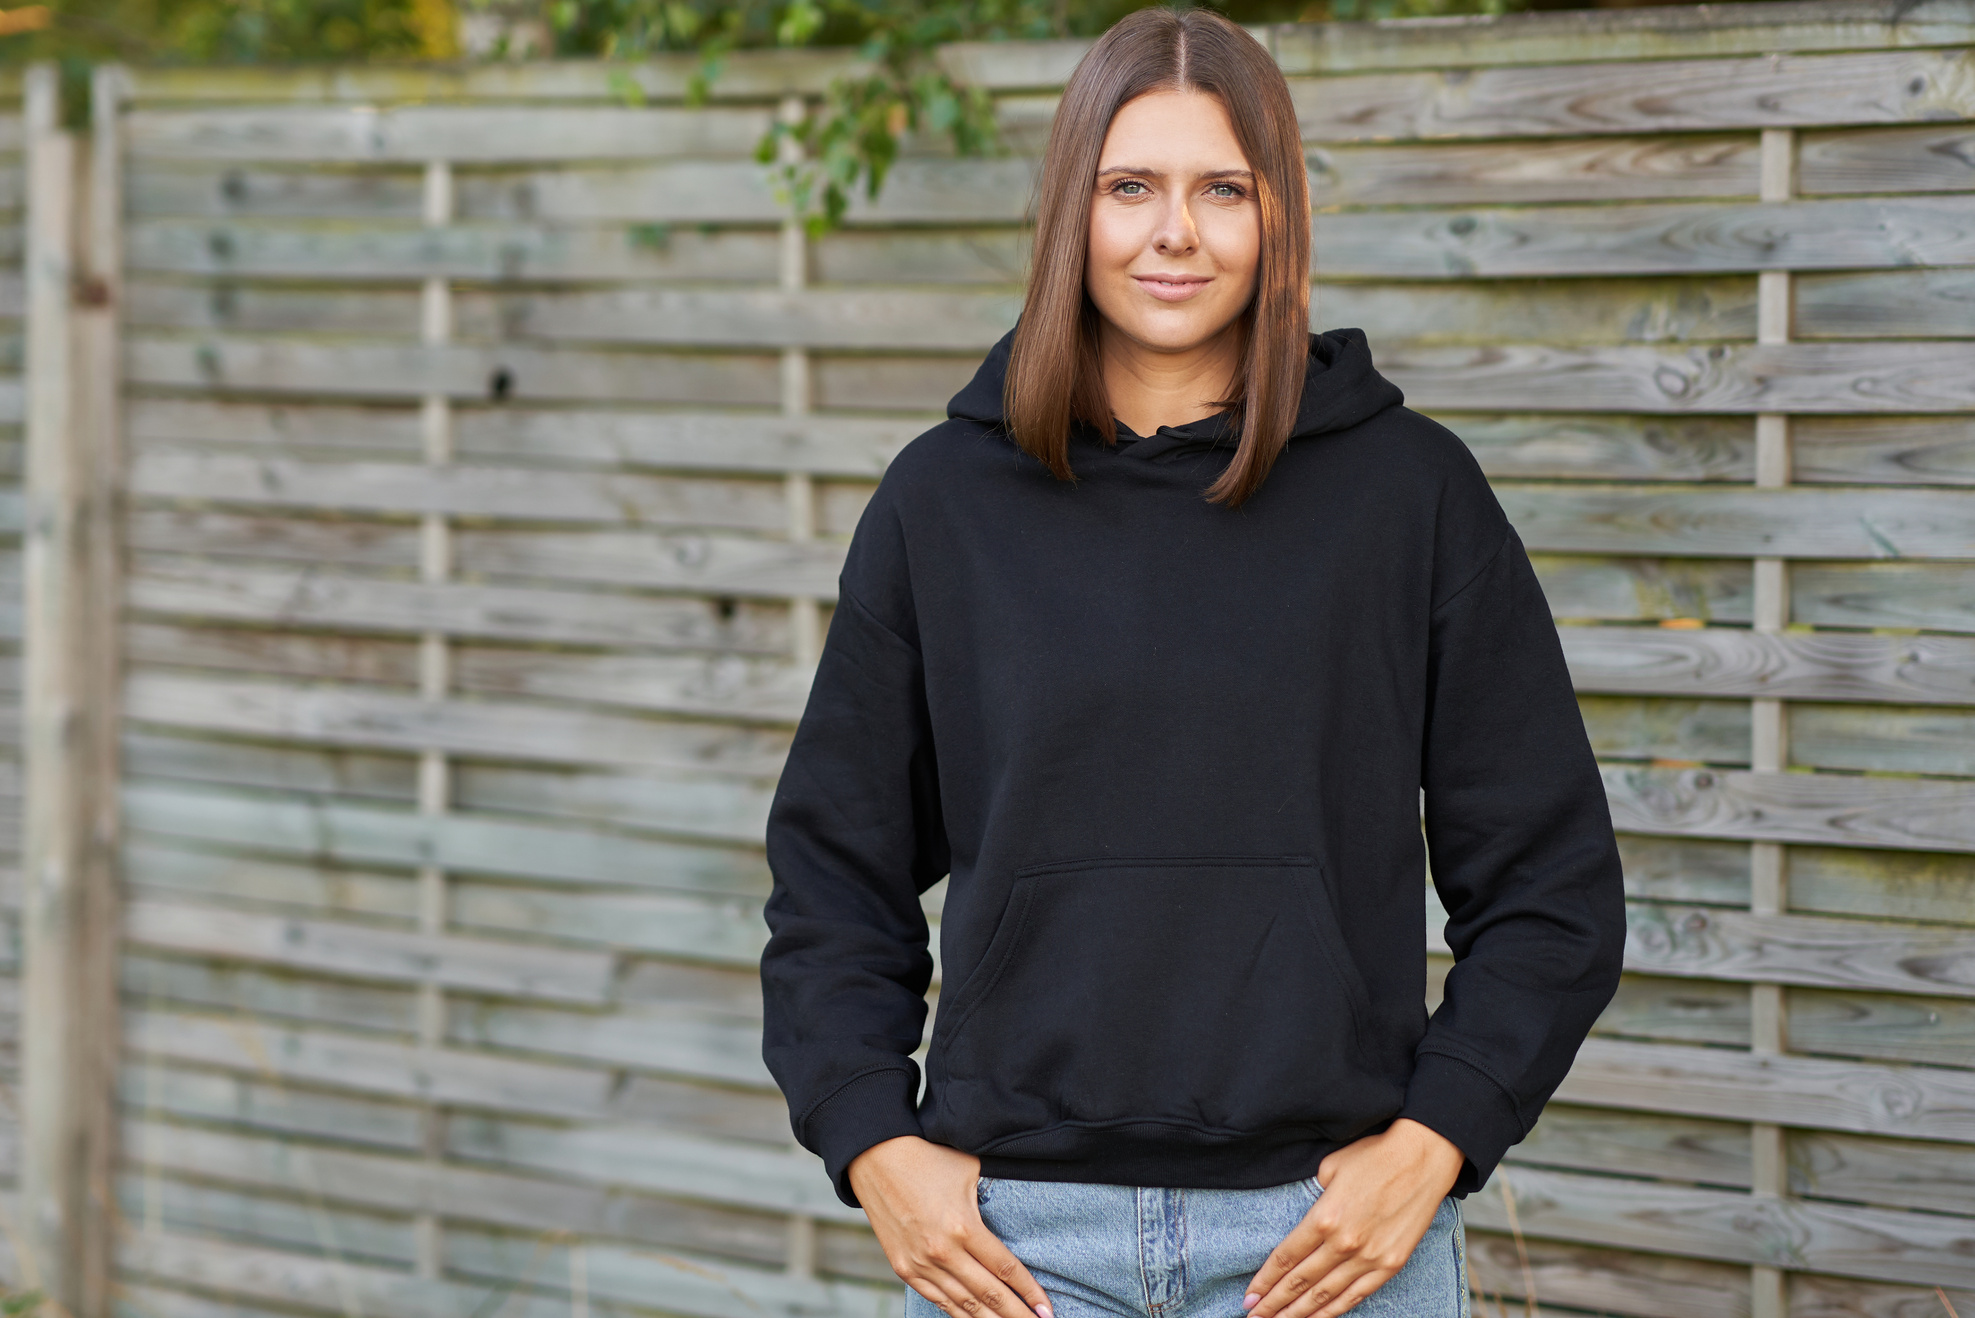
(1226, 190)
(1130, 187)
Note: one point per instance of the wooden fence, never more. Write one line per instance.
(488, 448)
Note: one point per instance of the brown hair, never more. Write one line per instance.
(1053, 374)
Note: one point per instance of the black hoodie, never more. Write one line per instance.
(1173, 755)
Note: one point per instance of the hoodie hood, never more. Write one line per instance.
(1341, 388)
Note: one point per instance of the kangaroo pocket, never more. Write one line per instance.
(1195, 999)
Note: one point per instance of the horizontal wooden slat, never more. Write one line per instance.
(1713, 943)
(298, 597)
(668, 440)
(1704, 95)
(1788, 666)
(1657, 32)
(1882, 451)
(1639, 239)
(1821, 809)
(1738, 1228)
(482, 253)
(504, 969)
(728, 932)
(1595, 169)
(663, 1037)
(414, 134)
(1716, 521)
(1886, 304)
(1934, 596)
(1897, 1173)
(700, 1289)
(370, 1065)
(1606, 1281)
(1666, 239)
(517, 493)
(1937, 158)
(274, 366)
(1928, 1103)
(334, 833)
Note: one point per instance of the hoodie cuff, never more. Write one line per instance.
(869, 1110)
(1454, 1099)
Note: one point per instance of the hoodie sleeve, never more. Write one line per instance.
(1522, 853)
(854, 838)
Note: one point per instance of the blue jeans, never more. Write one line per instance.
(1114, 1251)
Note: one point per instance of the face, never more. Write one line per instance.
(1175, 234)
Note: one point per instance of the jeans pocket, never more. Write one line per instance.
(983, 1186)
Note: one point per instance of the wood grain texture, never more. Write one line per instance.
(1716, 521)
(1896, 1173)
(1591, 169)
(1716, 943)
(1886, 304)
(501, 969)
(276, 366)
(1571, 36)
(1799, 1234)
(1724, 662)
(1811, 1092)
(1936, 158)
(1603, 1280)
(1932, 596)
(1646, 239)
(349, 834)
(414, 134)
(1710, 95)
(1822, 809)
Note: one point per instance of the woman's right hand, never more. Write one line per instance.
(922, 1202)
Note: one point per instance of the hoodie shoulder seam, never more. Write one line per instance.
(1479, 572)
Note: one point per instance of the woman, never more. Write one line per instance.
(1153, 646)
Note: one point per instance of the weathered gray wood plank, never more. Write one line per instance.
(1759, 1229)
(1832, 1297)
(1685, 731)
(1646, 239)
(1886, 304)
(1883, 450)
(240, 364)
(1669, 32)
(726, 932)
(414, 134)
(1717, 521)
(1625, 589)
(1937, 158)
(1812, 1092)
(1934, 596)
(1717, 943)
(1900, 739)
(336, 833)
(1882, 1027)
(1705, 95)
(503, 253)
(1938, 887)
(370, 1065)
(726, 687)
(1602, 1280)
(1821, 809)
(503, 969)
(1785, 666)
(1590, 169)
(1896, 1173)
(512, 493)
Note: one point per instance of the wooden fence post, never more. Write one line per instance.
(67, 930)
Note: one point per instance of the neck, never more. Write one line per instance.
(1149, 387)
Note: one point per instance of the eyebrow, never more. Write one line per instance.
(1156, 173)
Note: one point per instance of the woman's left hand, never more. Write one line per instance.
(1379, 1196)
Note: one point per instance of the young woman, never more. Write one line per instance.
(1154, 646)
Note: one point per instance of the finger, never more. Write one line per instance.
(1287, 1298)
(978, 1292)
(1330, 1288)
(1295, 1247)
(998, 1259)
(1356, 1293)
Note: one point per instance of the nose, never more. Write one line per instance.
(1176, 234)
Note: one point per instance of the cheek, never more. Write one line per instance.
(1238, 245)
(1114, 239)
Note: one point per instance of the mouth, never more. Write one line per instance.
(1172, 288)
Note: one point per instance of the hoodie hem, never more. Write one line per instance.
(1253, 1163)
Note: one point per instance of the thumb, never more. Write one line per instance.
(997, 1258)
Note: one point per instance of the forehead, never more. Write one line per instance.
(1172, 131)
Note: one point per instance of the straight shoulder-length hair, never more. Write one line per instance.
(1053, 376)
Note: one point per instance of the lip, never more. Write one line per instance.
(1172, 288)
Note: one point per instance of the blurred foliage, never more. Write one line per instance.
(847, 143)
